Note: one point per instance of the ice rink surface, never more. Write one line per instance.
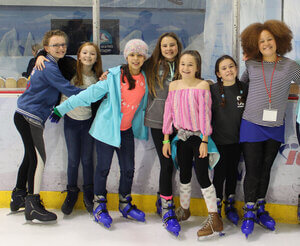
(80, 229)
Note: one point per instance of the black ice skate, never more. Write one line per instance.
(17, 199)
(34, 209)
(71, 199)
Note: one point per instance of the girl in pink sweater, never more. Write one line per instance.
(188, 110)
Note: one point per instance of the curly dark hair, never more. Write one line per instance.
(281, 32)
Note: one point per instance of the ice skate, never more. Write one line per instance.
(129, 210)
(263, 217)
(158, 204)
(17, 199)
(100, 212)
(212, 226)
(169, 218)
(88, 195)
(230, 210)
(249, 219)
(182, 214)
(71, 199)
(35, 210)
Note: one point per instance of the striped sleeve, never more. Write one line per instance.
(205, 112)
(245, 77)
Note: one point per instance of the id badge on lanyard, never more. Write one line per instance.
(270, 114)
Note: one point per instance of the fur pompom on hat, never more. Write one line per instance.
(136, 46)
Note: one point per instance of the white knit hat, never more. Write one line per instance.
(136, 46)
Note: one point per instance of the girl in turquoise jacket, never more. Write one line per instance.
(119, 119)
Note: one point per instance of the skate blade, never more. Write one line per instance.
(16, 212)
(267, 228)
(213, 235)
(128, 217)
(175, 234)
(38, 222)
(104, 225)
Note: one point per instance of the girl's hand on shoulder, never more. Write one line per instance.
(104, 75)
(40, 63)
(203, 150)
(166, 150)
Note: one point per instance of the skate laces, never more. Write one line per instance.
(208, 223)
(40, 203)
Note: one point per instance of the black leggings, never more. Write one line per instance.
(226, 169)
(259, 158)
(186, 151)
(32, 166)
(166, 164)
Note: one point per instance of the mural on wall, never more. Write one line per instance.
(23, 26)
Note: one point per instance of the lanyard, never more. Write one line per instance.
(269, 92)
(172, 69)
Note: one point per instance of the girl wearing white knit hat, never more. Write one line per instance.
(118, 121)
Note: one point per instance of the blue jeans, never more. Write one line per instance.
(80, 146)
(126, 162)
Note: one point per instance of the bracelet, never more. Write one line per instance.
(166, 141)
(204, 142)
(57, 112)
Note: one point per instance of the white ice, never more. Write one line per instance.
(80, 229)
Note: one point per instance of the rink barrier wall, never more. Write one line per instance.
(54, 200)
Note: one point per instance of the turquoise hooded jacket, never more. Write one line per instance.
(106, 125)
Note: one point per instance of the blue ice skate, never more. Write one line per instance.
(158, 204)
(263, 217)
(169, 218)
(230, 210)
(100, 212)
(249, 219)
(129, 210)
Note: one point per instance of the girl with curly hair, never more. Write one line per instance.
(269, 74)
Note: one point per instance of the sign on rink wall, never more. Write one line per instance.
(284, 184)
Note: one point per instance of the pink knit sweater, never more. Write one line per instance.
(188, 109)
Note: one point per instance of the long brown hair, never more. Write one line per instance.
(157, 59)
(97, 67)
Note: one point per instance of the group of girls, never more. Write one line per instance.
(177, 104)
